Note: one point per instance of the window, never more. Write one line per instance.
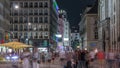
(35, 19)
(31, 19)
(25, 4)
(35, 12)
(36, 34)
(11, 21)
(36, 4)
(46, 34)
(20, 35)
(46, 19)
(15, 19)
(46, 27)
(40, 35)
(21, 27)
(11, 28)
(15, 12)
(25, 34)
(40, 27)
(21, 4)
(25, 27)
(31, 12)
(45, 11)
(15, 27)
(15, 35)
(25, 19)
(21, 19)
(40, 11)
(40, 20)
(46, 4)
(30, 27)
(25, 12)
(31, 5)
(96, 35)
(40, 4)
(21, 12)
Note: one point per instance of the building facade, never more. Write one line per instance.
(4, 20)
(64, 29)
(75, 37)
(4, 23)
(66, 35)
(88, 28)
(34, 21)
(109, 33)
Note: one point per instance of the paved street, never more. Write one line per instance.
(56, 65)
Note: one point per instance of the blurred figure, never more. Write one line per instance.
(111, 59)
(36, 58)
(26, 56)
(49, 57)
(101, 58)
(43, 57)
(75, 59)
(62, 57)
(83, 59)
(69, 58)
(91, 57)
(53, 57)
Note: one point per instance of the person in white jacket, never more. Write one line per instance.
(26, 56)
(36, 58)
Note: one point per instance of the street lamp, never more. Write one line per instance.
(16, 7)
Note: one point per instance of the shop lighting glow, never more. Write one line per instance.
(8, 58)
(14, 57)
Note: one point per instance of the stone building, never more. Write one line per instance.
(88, 27)
(108, 25)
(4, 20)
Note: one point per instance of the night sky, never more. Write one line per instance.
(73, 9)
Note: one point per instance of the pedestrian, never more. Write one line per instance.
(43, 57)
(68, 59)
(36, 58)
(26, 57)
(75, 59)
(91, 58)
(101, 58)
(83, 59)
(62, 57)
(111, 59)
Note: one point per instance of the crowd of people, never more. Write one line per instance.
(72, 58)
(89, 59)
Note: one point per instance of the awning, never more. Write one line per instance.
(15, 45)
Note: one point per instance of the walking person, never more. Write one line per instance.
(69, 58)
(101, 59)
(36, 58)
(91, 58)
(43, 57)
(26, 57)
(83, 59)
(110, 59)
(75, 59)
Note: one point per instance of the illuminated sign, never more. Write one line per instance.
(55, 5)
